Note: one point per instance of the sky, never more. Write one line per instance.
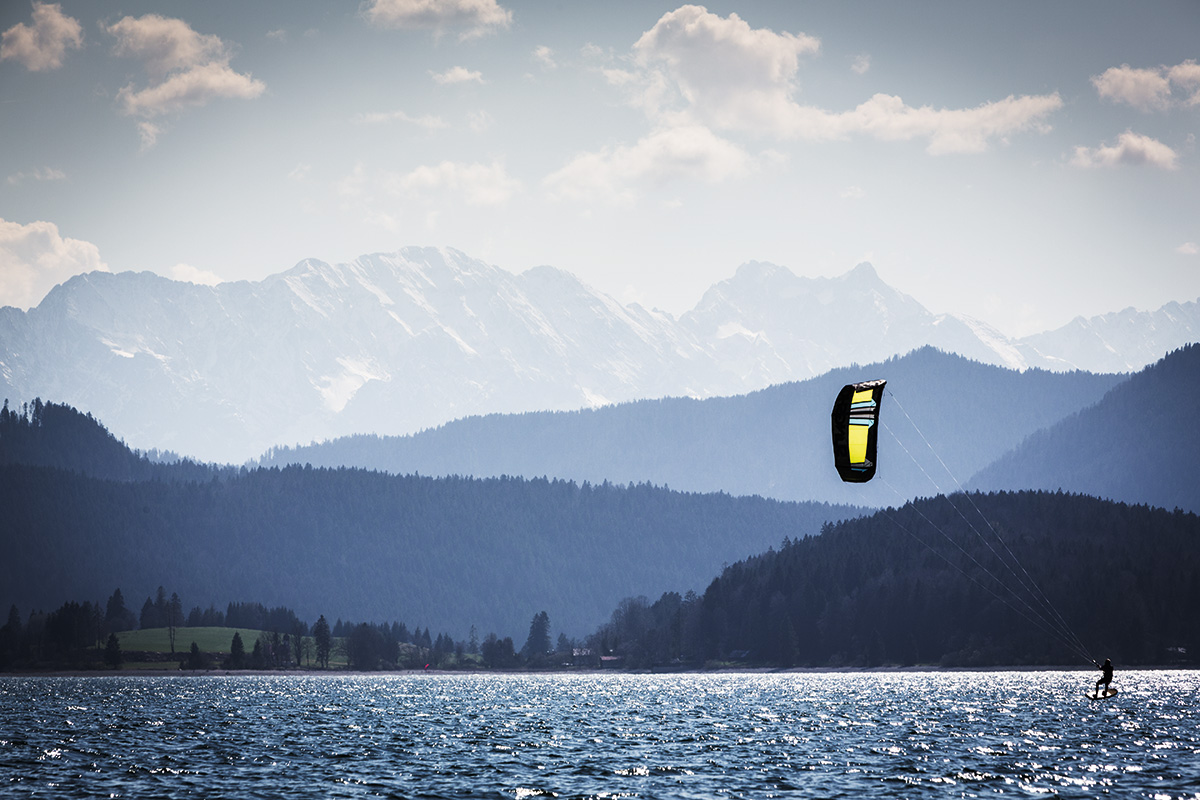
(1021, 163)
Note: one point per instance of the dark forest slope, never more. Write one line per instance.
(1138, 444)
(919, 585)
(447, 553)
(773, 442)
(55, 435)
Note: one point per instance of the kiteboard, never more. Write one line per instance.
(1093, 695)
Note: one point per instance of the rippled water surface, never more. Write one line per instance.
(645, 736)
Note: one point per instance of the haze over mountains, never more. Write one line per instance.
(395, 343)
(939, 409)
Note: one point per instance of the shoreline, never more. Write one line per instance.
(310, 673)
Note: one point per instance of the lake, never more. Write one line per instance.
(818, 735)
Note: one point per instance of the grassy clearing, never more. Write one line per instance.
(209, 640)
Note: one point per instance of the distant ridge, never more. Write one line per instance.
(393, 343)
(774, 442)
(1138, 444)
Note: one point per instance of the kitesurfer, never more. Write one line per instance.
(1106, 677)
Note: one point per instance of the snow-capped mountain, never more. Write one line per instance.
(393, 343)
(1123, 341)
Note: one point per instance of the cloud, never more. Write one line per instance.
(861, 65)
(189, 274)
(1149, 89)
(699, 68)
(34, 258)
(852, 193)
(474, 17)
(1188, 249)
(889, 118)
(1187, 75)
(457, 75)
(477, 184)
(722, 70)
(1144, 89)
(36, 174)
(164, 44)
(426, 121)
(1131, 148)
(187, 70)
(189, 89)
(683, 153)
(43, 45)
(545, 56)
(148, 132)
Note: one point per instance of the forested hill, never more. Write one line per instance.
(56, 435)
(1138, 444)
(444, 553)
(895, 588)
(773, 442)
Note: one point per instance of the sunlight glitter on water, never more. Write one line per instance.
(737, 735)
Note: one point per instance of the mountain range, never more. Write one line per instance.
(393, 343)
(944, 418)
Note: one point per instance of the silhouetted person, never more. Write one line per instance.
(1105, 678)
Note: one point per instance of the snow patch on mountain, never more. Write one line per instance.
(393, 343)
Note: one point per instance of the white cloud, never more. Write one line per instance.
(36, 174)
(43, 45)
(299, 173)
(457, 75)
(852, 193)
(1149, 89)
(426, 121)
(697, 67)
(1144, 89)
(187, 70)
(545, 56)
(34, 258)
(1188, 249)
(1187, 75)
(477, 184)
(474, 17)
(164, 44)
(1132, 149)
(148, 132)
(960, 130)
(190, 274)
(683, 153)
(189, 89)
(861, 65)
(726, 73)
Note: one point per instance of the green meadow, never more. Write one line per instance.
(210, 641)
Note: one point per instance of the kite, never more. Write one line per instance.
(855, 420)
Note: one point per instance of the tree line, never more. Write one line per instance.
(84, 636)
(926, 584)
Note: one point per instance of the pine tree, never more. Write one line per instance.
(324, 641)
(538, 644)
(237, 653)
(112, 652)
